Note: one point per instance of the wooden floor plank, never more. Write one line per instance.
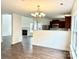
(19, 51)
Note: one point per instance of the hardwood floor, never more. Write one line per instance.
(18, 51)
(6, 41)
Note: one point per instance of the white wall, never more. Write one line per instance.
(6, 24)
(0, 32)
(74, 9)
(45, 21)
(73, 13)
(52, 39)
(27, 20)
(77, 29)
(17, 29)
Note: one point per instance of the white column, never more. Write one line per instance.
(17, 29)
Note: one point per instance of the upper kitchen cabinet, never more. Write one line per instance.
(67, 22)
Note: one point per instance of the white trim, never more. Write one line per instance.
(73, 53)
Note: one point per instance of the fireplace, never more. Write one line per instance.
(24, 32)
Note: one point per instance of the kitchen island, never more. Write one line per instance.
(52, 39)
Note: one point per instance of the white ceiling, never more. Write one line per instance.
(25, 7)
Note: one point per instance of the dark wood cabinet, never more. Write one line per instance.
(57, 24)
(61, 23)
(67, 21)
(54, 24)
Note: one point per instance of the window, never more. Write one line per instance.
(35, 26)
(74, 34)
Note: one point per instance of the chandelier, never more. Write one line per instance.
(38, 13)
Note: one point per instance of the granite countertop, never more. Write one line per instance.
(59, 29)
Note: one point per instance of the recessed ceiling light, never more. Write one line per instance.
(61, 3)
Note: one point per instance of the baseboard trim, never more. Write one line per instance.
(41, 47)
(16, 42)
(51, 48)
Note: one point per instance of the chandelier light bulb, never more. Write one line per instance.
(33, 15)
(38, 13)
(42, 14)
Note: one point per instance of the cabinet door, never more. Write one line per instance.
(67, 21)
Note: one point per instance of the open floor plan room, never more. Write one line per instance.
(38, 29)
